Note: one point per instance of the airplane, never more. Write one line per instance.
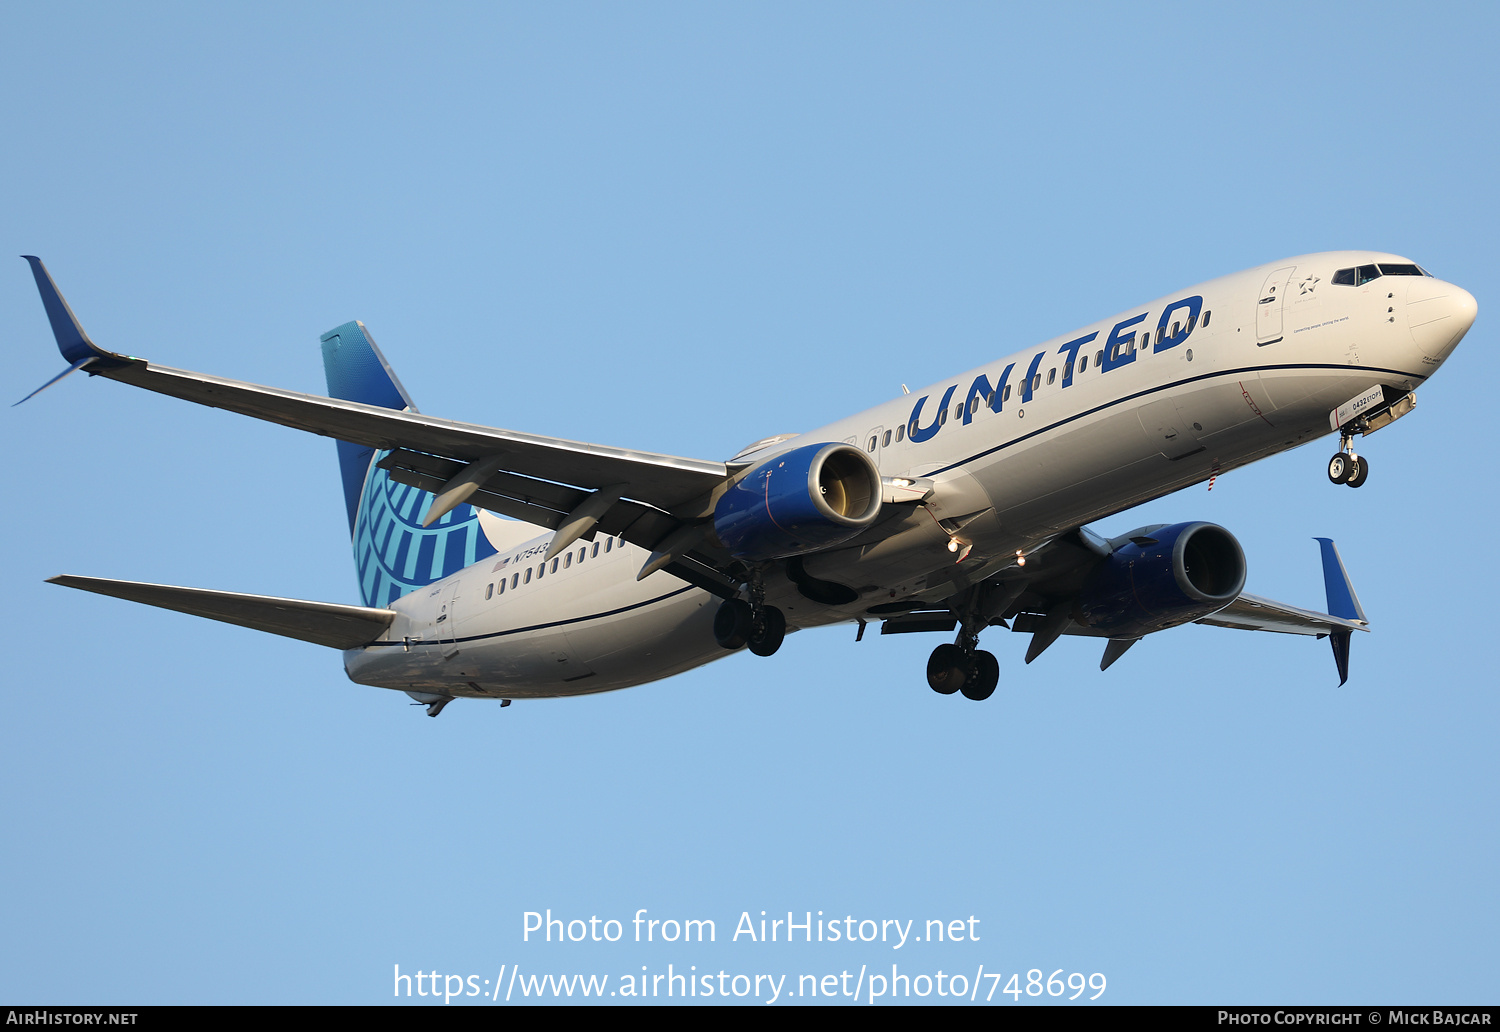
(496, 564)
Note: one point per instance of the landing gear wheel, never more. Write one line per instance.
(1341, 467)
(1361, 472)
(733, 623)
(947, 669)
(767, 638)
(984, 675)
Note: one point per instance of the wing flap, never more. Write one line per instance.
(322, 623)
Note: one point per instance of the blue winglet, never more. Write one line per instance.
(71, 340)
(71, 369)
(74, 344)
(1342, 601)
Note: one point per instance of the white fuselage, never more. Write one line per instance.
(1269, 353)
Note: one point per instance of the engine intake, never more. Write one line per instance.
(800, 501)
(1171, 576)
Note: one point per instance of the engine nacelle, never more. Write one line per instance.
(1172, 576)
(809, 498)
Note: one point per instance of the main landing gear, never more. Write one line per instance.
(739, 623)
(950, 669)
(1346, 467)
(961, 667)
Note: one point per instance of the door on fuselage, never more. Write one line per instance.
(1268, 307)
(442, 632)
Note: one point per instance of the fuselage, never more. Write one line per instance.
(1019, 450)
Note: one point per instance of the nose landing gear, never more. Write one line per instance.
(1347, 467)
(1378, 407)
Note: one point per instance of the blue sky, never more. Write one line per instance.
(682, 228)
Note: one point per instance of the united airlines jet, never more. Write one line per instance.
(495, 564)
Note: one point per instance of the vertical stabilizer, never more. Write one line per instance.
(393, 553)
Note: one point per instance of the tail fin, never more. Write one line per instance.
(393, 553)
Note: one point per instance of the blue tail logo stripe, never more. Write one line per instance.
(395, 554)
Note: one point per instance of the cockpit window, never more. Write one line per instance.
(1400, 270)
(1365, 273)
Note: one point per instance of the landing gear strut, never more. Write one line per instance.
(962, 666)
(1347, 467)
(739, 623)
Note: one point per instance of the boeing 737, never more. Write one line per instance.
(495, 564)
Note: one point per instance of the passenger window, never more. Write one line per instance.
(567, 562)
(1098, 358)
(609, 543)
(528, 576)
(596, 548)
(502, 585)
(913, 427)
(958, 411)
(942, 417)
(1051, 375)
(1036, 382)
(871, 445)
(1067, 369)
(1007, 393)
(1205, 319)
(554, 562)
(886, 440)
(1344, 278)
(973, 404)
(515, 579)
(1175, 327)
(901, 431)
(989, 400)
(489, 592)
(541, 571)
(1366, 273)
(1191, 321)
(1083, 362)
(582, 552)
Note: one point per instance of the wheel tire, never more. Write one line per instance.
(947, 669)
(772, 632)
(983, 678)
(732, 623)
(1339, 468)
(1361, 474)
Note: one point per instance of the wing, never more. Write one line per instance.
(569, 486)
(322, 623)
(1253, 613)
(1037, 600)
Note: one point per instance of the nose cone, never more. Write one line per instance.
(1439, 315)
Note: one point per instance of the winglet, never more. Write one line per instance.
(1342, 602)
(72, 341)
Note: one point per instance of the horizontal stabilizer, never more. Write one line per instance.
(322, 623)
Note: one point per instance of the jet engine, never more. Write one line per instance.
(1164, 576)
(802, 500)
